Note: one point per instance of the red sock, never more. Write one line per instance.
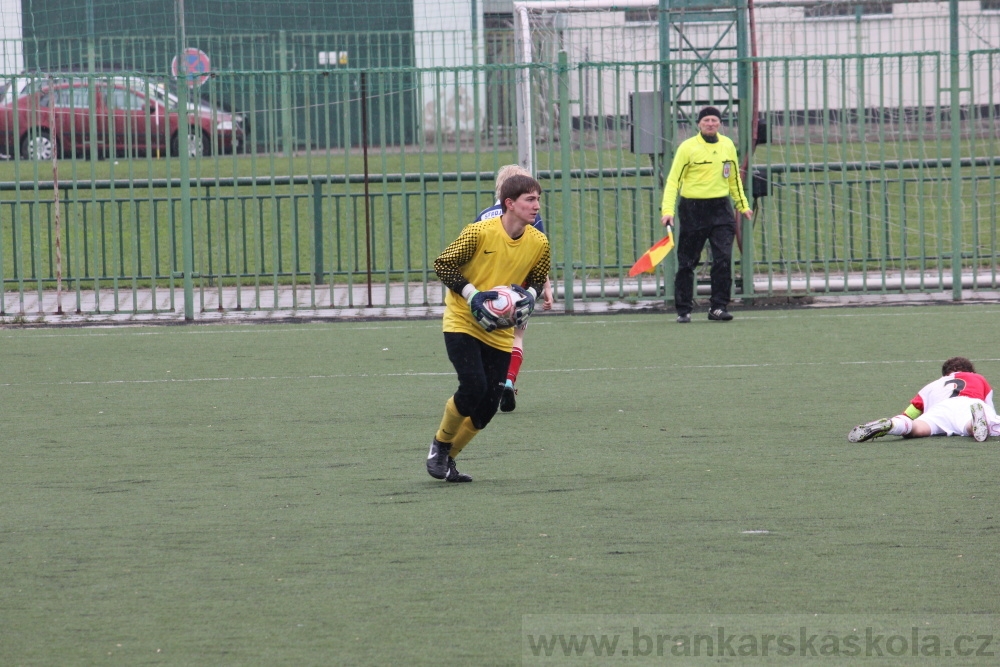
(516, 356)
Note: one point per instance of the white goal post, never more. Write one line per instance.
(523, 9)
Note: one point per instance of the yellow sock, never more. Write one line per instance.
(451, 422)
(466, 432)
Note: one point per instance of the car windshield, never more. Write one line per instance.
(169, 99)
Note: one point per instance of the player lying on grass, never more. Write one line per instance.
(499, 251)
(958, 403)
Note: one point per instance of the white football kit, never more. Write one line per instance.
(945, 404)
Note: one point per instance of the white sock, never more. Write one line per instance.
(901, 425)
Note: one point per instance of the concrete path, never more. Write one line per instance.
(303, 303)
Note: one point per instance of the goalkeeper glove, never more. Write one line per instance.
(525, 305)
(477, 300)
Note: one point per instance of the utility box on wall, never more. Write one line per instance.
(646, 122)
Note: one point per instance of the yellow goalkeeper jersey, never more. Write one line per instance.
(485, 256)
(701, 170)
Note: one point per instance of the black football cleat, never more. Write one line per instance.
(437, 459)
(508, 400)
(454, 475)
(719, 315)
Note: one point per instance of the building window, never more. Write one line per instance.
(643, 15)
(498, 21)
(844, 9)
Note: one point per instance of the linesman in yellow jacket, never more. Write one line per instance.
(498, 251)
(706, 175)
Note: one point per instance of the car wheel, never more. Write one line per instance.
(37, 145)
(199, 144)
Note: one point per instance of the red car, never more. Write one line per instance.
(130, 117)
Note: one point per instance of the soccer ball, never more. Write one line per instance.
(502, 308)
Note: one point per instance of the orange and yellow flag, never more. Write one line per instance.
(647, 263)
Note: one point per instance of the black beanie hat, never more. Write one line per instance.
(709, 111)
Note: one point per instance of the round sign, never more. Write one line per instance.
(196, 66)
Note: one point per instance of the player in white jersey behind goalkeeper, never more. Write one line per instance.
(508, 399)
(958, 403)
(491, 253)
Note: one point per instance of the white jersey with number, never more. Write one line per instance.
(946, 403)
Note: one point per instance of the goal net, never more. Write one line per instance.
(609, 65)
(616, 48)
(851, 107)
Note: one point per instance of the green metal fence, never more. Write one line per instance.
(358, 178)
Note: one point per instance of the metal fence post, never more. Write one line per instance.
(318, 230)
(748, 122)
(667, 145)
(183, 132)
(287, 138)
(956, 160)
(565, 138)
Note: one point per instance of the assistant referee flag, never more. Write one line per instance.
(647, 263)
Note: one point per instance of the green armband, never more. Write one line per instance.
(912, 412)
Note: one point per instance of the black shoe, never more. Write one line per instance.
(454, 475)
(507, 398)
(437, 459)
(719, 315)
(684, 319)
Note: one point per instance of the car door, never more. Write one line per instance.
(93, 127)
(66, 112)
(136, 121)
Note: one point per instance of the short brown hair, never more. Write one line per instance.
(957, 365)
(515, 186)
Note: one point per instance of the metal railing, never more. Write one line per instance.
(860, 188)
(310, 234)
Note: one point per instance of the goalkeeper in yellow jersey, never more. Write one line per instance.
(499, 251)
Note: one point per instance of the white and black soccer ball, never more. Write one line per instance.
(503, 307)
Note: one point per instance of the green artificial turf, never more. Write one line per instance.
(256, 495)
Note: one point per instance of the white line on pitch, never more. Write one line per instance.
(582, 319)
(342, 376)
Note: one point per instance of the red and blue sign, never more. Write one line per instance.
(196, 65)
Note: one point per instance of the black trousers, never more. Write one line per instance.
(482, 373)
(704, 220)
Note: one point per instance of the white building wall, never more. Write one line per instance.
(828, 82)
(452, 100)
(11, 56)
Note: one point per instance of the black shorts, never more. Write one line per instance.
(482, 373)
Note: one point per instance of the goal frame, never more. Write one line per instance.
(746, 84)
(522, 37)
